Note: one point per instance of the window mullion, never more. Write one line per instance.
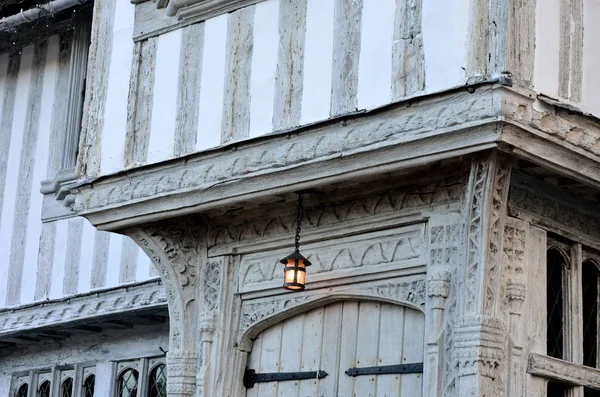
(143, 380)
(573, 314)
(598, 321)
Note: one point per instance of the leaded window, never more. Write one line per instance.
(158, 381)
(128, 383)
(44, 390)
(555, 263)
(88, 386)
(22, 392)
(66, 389)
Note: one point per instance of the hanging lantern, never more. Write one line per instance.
(295, 264)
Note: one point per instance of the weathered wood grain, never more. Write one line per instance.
(521, 41)
(25, 177)
(139, 108)
(190, 72)
(290, 61)
(100, 264)
(236, 101)
(97, 84)
(346, 53)
(571, 50)
(73, 256)
(45, 261)
(408, 58)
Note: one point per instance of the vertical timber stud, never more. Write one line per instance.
(480, 338)
(177, 248)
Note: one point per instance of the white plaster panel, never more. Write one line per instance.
(547, 43)
(34, 223)
(87, 257)
(114, 260)
(142, 270)
(375, 65)
(3, 263)
(591, 56)
(212, 84)
(12, 167)
(164, 106)
(264, 65)
(60, 252)
(318, 58)
(445, 38)
(115, 113)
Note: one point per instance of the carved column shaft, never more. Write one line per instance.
(480, 345)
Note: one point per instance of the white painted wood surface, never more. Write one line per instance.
(335, 338)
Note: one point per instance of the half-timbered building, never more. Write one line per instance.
(435, 170)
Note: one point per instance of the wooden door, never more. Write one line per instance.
(338, 337)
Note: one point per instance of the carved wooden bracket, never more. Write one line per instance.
(177, 248)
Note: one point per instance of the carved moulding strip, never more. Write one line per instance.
(395, 138)
(563, 371)
(97, 303)
(378, 209)
(258, 314)
(486, 209)
(340, 258)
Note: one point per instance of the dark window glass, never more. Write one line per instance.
(88, 386)
(556, 390)
(67, 388)
(554, 290)
(158, 382)
(128, 382)
(22, 392)
(589, 284)
(591, 392)
(44, 390)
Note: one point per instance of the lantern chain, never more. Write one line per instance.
(300, 216)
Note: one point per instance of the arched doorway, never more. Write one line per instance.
(336, 338)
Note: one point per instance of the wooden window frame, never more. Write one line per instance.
(570, 370)
(144, 367)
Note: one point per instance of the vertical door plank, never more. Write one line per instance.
(412, 352)
(269, 360)
(367, 346)
(348, 342)
(330, 350)
(311, 351)
(391, 331)
(291, 350)
(254, 362)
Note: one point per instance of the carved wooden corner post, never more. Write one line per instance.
(515, 241)
(444, 241)
(480, 336)
(177, 248)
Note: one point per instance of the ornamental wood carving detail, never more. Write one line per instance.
(407, 292)
(352, 137)
(404, 246)
(486, 206)
(330, 213)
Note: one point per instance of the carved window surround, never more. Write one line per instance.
(155, 17)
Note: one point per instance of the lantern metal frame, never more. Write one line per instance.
(296, 257)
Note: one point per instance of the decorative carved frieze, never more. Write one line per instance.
(84, 307)
(361, 254)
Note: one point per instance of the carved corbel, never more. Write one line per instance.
(177, 248)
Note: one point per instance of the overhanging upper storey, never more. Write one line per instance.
(393, 139)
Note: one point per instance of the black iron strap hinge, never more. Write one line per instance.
(251, 377)
(414, 368)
